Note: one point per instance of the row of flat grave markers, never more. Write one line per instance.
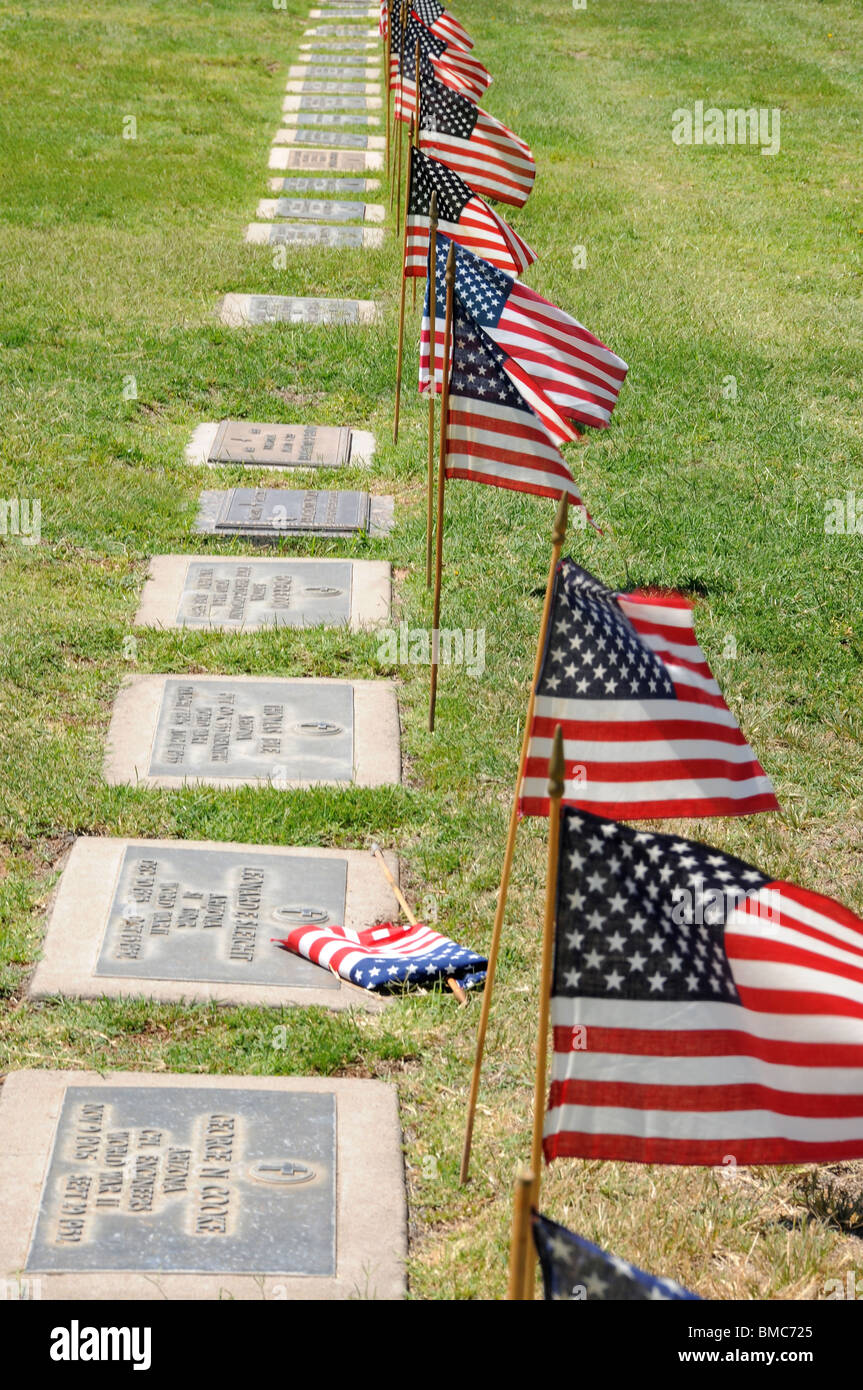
(137, 1186)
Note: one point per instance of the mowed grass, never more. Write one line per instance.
(702, 265)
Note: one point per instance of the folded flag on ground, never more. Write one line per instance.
(646, 732)
(574, 1270)
(703, 1012)
(454, 67)
(387, 956)
(441, 23)
(575, 370)
(492, 160)
(462, 216)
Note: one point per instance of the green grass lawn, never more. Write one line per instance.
(703, 264)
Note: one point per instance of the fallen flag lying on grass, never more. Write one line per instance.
(462, 216)
(576, 371)
(490, 158)
(574, 1270)
(387, 956)
(646, 731)
(701, 1011)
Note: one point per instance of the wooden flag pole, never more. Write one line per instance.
(389, 84)
(416, 144)
(432, 282)
(401, 344)
(399, 102)
(520, 1234)
(441, 481)
(401, 123)
(558, 536)
(377, 854)
(556, 778)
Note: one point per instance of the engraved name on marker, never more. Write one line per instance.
(186, 1180)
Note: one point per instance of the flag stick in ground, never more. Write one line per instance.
(401, 123)
(518, 1246)
(441, 481)
(432, 279)
(401, 345)
(558, 536)
(397, 131)
(377, 854)
(389, 87)
(556, 776)
(415, 144)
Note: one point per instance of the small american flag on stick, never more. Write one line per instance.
(492, 160)
(462, 216)
(702, 1012)
(646, 731)
(499, 429)
(573, 1270)
(451, 66)
(575, 370)
(442, 24)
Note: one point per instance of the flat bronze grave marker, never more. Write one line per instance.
(269, 514)
(294, 185)
(307, 234)
(241, 594)
(332, 161)
(333, 72)
(176, 920)
(348, 89)
(312, 101)
(236, 310)
(228, 731)
(279, 446)
(133, 1186)
(343, 139)
(335, 122)
(320, 210)
(346, 31)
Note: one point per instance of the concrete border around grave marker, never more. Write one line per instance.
(73, 938)
(135, 718)
(371, 1217)
(371, 590)
(352, 31)
(204, 435)
(233, 311)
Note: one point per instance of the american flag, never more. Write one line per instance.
(442, 23)
(703, 1013)
(452, 66)
(500, 431)
(482, 150)
(387, 956)
(574, 1270)
(646, 732)
(577, 372)
(384, 21)
(462, 216)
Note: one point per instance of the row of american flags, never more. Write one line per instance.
(701, 1006)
